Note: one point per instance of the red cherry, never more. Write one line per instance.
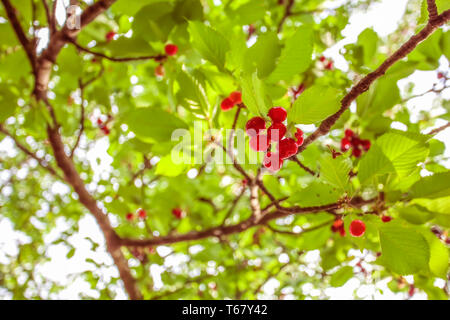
(440, 75)
(99, 122)
(159, 71)
(177, 212)
(322, 59)
(357, 228)
(342, 232)
(110, 36)
(356, 152)
(329, 65)
(226, 104)
(272, 161)
(105, 130)
(277, 114)
(338, 223)
(345, 144)
(255, 125)
(236, 97)
(411, 290)
(171, 49)
(287, 148)
(276, 131)
(386, 218)
(142, 214)
(355, 142)
(365, 144)
(129, 216)
(259, 142)
(299, 137)
(244, 182)
(349, 133)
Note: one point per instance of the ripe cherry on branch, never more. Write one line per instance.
(272, 161)
(177, 212)
(110, 36)
(259, 142)
(352, 141)
(255, 125)
(276, 131)
(171, 49)
(338, 226)
(357, 228)
(277, 114)
(129, 216)
(142, 214)
(287, 148)
(229, 102)
(159, 71)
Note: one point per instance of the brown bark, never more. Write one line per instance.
(112, 239)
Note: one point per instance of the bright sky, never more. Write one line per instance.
(383, 17)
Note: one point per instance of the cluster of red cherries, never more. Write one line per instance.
(357, 227)
(352, 141)
(232, 100)
(140, 213)
(103, 126)
(261, 142)
(327, 63)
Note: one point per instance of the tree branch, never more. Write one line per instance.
(311, 172)
(28, 152)
(25, 42)
(364, 84)
(112, 239)
(225, 230)
(437, 130)
(432, 10)
(58, 40)
(158, 58)
(287, 13)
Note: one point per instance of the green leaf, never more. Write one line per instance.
(166, 167)
(315, 104)
(439, 256)
(431, 187)
(404, 250)
(154, 21)
(296, 56)
(192, 93)
(254, 94)
(340, 277)
(8, 102)
(130, 47)
(212, 45)
(335, 171)
(381, 96)
(153, 124)
(368, 40)
(315, 194)
(373, 164)
(404, 150)
(415, 214)
(439, 205)
(70, 253)
(262, 55)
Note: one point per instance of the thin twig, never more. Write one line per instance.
(437, 130)
(364, 84)
(311, 172)
(42, 162)
(157, 58)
